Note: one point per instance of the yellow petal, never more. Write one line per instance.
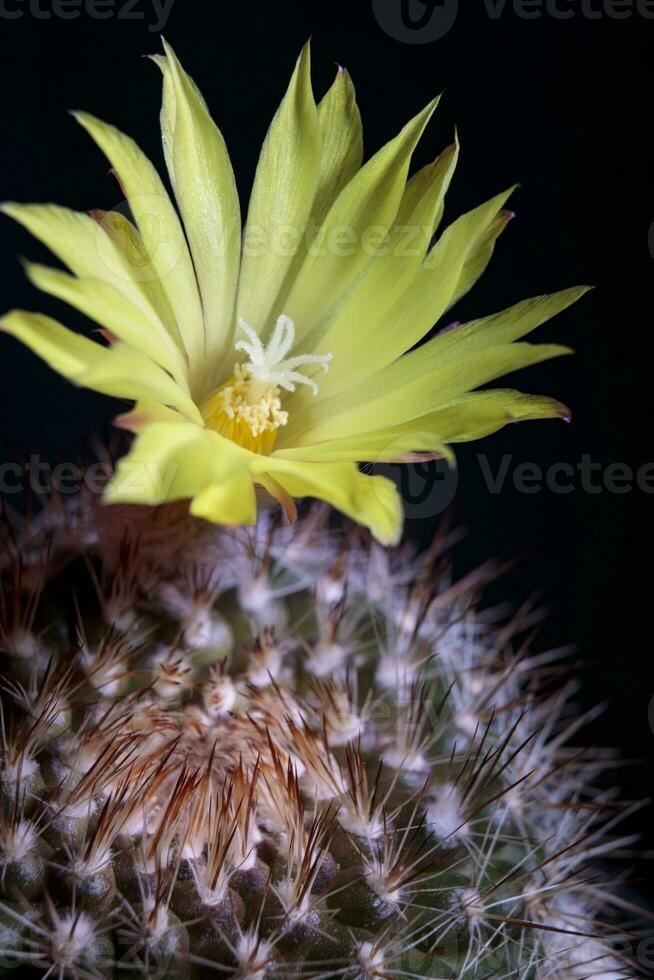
(160, 227)
(355, 336)
(470, 417)
(370, 500)
(483, 412)
(104, 246)
(146, 413)
(341, 249)
(423, 201)
(203, 181)
(168, 461)
(479, 256)
(431, 358)
(507, 325)
(430, 294)
(119, 370)
(165, 462)
(382, 446)
(412, 387)
(172, 461)
(130, 246)
(281, 201)
(379, 325)
(105, 304)
(340, 158)
(342, 142)
(230, 501)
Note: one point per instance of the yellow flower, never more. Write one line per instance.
(281, 357)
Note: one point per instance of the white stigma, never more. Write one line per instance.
(268, 363)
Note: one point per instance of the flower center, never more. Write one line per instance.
(248, 409)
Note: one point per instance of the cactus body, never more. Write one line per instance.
(283, 752)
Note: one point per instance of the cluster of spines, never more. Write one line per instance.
(285, 752)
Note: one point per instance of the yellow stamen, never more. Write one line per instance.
(247, 411)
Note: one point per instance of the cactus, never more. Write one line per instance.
(285, 752)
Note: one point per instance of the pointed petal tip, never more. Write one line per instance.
(303, 62)
(6, 320)
(427, 112)
(85, 119)
(422, 118)
(390, 539)
(450, 151)
(562, 411)
(169, 51)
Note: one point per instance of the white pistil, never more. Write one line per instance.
(268, 363)
(248, 408)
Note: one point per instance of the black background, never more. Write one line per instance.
(563, 107)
